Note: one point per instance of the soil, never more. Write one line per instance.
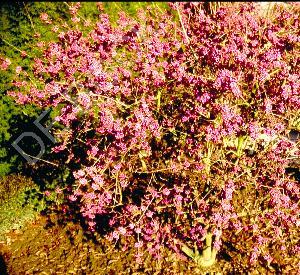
(64, 249)
(52, 245)
(42, 248)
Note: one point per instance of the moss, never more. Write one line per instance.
(12, 184)
(19, 203)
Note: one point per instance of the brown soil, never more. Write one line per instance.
(54, 246)
(64, 249)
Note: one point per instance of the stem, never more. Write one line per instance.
(77, 13)
(185, 33)
(49, 162)
(207, 250)
(15, 47)
(29, 17)
(183, 28)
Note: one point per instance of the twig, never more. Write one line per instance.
(29, 17)
(15, 47)
(49, 162)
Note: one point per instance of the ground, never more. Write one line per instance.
(36, 243)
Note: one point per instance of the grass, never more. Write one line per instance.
(20, 202)
(15, 213)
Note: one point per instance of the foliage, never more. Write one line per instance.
(20, 27)
(18, 205)
(13, 184)
(176, 130)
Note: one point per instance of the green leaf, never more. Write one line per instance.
(188, 251)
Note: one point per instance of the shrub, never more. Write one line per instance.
(175, 126)
(17, 31)
(13, 184)
(20, 27)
